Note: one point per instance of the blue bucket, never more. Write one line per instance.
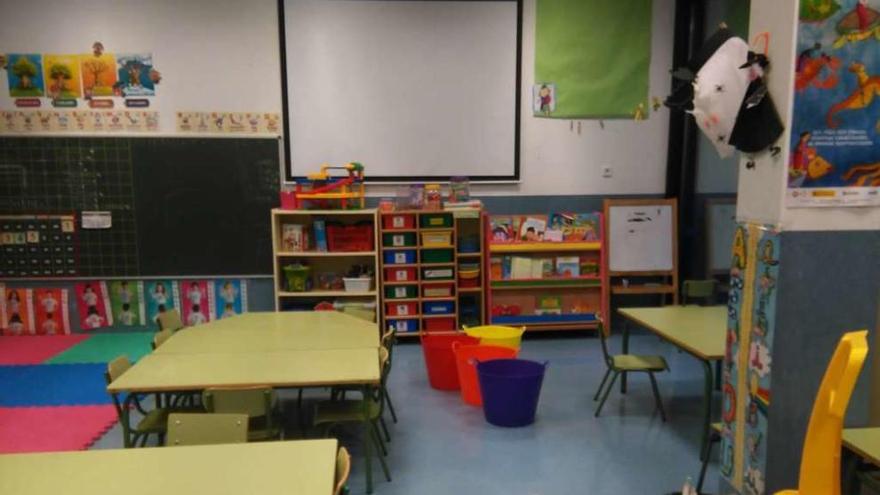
(510, 390)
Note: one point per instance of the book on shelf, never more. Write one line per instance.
(575, 227)
(495, 271)
(568, 266)
(502, 229)
(520, 267)
(532, 228)
(548, 305)
(320, 229)
(505, 267)
(463, 205)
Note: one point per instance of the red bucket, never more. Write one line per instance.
(466, 357)
(440, 360)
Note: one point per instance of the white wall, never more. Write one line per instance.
(214, 55)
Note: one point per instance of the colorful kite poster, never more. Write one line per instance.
(51, 311)
(25, 75)
(159, 297)
(230, 298)
(17, 311)
(137, 77)
(127, 302)
(98, 74)
(93, 303)
(195, 303)
(62, 76)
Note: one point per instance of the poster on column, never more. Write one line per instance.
(835, 139)
(127, 302)
(230, 298)
(17, 311)
(51, 312)
(195, 303)
(160, 296)
(93, 303)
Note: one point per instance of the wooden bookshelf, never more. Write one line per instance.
(581, 298)
(402, 247)
(322, 262)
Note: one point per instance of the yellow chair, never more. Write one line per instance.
(206, 429)
(160, 337)
(257, 402)
(170, 320)
(343, 470)
(820, 461)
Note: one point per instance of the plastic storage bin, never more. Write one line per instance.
(440, 325)
(437, 239)
(437, 273)
(510, 389)
(402, 239)
(297, 277)
(436, 221)
(398, 221)
(440, 359)
(401, 257)
(357, 284)
(437, 290)
(401, 292)
(407, 274)
(401, 309)
(469, 278)
(466, 357)
(437, 256)
(404, 326)
(438, 307)
(358, 237)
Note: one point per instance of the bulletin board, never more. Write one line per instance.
(642, 235)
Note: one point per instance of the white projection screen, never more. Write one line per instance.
(413, 89)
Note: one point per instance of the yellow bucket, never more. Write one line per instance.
(497, 335)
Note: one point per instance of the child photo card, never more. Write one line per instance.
(93, 303)
(52, 316)
(195, 304)
(159, 297)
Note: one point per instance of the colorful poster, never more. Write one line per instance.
(159, 297)
(62, 76)
(99, 75)
(51, 312)
(17, 311)
(137, 77)
(127, 302)
(24, 73)
(93, 303)
(230, 298)
(195, 303)
(835, 140)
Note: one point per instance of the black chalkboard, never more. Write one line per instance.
(180, 206)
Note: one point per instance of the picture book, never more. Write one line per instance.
(505, 267)
(537, 268)
(502, 229)
(320, 228)
(520, 267)
(532, 228)
(584, 227)
(568, 266)
(548, 305)
(495, 267)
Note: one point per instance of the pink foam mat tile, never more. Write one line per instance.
(49, 429)
(34, 349)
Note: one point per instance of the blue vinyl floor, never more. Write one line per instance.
(441, 446)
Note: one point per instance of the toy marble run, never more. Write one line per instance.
(323, 189)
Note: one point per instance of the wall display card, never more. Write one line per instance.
(93, 303)
(835, 138)
(127, 302)
(62, 122)
(52, 316)
(98, 74)
(24, 73)
(38, 245)
(136, 74)
(159, 297)
(229, 122)
(62, 76)
(17, 311)
(195, 303)
(7, 121)
(134, 121)
(230, 298)
(115, 121)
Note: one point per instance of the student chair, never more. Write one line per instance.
(702, 290)
(343, 470)
(170, 320)
(152, 422)
(628, 363)
(160, 337)
(367, 411)
(257, 402)
(820, 460)
(388, 341)
(206, 429)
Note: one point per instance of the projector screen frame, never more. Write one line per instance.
(285, 101)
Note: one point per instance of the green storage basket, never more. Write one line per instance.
(436, 221)
(437, 256)
(401, 292)
(401, 239)
(297, 277)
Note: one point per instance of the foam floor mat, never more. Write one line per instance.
(47, 429)
(35, 349)
(103, 348)
(53, 385)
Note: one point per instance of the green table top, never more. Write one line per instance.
(311, 368)
(305, 467)
(264, 332)
(699, 330)
(865, 442)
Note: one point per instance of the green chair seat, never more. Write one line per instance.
(633, 362)
(259, 430)
(154, 422)
(344, 411)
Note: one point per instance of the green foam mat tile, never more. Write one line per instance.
(104, 348)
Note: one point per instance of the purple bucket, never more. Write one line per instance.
(510, 389)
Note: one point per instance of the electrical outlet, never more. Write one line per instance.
(606, 172)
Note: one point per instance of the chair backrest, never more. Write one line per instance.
(603, 336)
(254, 401)
(388, 341)
(343, 469)
(115, 369)
(170, 320)
(699, 289)
(206, 429)
(820, 461)
(160, 337)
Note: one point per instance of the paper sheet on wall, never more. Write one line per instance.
(595, 55)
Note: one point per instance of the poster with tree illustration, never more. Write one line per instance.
(195, 302)
(62, 76)
(137, 77)
(98, 74)
(25, 75)
(93, 304)
(51, 312)
(127, 302)
(17, 311)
